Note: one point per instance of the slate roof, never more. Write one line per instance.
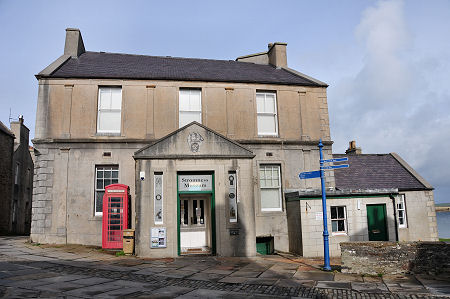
(5, 130)
(375, 171)
(126, 66)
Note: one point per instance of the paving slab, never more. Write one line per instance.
(248, 274)
(60, 287)
(91, 281)
(168, 292)
(202, 293)
(295, 283)
(5, 266)
(236, 280)
(348, 277)
(318, 276)
(119, 293)
(369, 287)
(262, 281)
(207, 276)
(435, 286)
(333, 285)
(218, 271)
(93, 290)
(150, 271)
(277, 273)
(176, 273)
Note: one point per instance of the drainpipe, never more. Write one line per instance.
(395, 216)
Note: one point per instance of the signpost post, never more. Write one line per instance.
(326, 247)
(321, 173)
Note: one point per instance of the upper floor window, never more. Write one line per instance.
(190, 106)
(270, 184)
(401, 211)
(266, 107)
(109, 109)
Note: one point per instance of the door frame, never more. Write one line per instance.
(386, 231)
(213, 207)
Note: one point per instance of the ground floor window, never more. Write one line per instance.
(104, 176)
(401, 210)
(338, 219)
(270, 184)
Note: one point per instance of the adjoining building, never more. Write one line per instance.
(378, 198)
(16, 174)
(208, 148)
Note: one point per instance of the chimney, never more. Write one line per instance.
(20, 131)
(277, 54)
(352, 149)
(74, 43)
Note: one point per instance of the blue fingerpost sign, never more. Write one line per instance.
(309, 175)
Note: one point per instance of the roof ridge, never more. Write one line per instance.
(173, 57)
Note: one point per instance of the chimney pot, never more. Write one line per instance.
(352, 149)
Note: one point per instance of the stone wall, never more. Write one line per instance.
(395, 258)
(6, 179)
(41, 218)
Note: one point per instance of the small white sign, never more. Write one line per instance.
(158, 237)
(319, 215)
(195, 182)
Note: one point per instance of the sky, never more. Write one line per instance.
(387, 63)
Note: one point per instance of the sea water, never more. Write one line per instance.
(443, 223)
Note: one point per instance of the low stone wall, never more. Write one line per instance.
(377, 258)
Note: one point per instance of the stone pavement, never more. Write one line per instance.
(27, 270)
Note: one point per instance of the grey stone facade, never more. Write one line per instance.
(6, 177)
(17, 179)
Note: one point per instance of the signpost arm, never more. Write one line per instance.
(326, 251)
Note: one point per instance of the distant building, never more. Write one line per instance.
(208, 148)
(16, 173)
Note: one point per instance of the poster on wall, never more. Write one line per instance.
(158, 198)
(158, 237)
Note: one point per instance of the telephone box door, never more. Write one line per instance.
(115, 215)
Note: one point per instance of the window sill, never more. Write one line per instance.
(339, 234)
(105, 134)
(270, 213)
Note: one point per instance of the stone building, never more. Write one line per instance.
(207, 147)
(16, 173)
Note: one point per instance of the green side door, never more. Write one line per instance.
(376, 222)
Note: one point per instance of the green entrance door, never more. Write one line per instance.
(376, 222)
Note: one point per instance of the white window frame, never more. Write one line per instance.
(189, 110)
(96, 190)
(273, 187)
(401, 207)
(338, 232)
(102, 90)
(262, 112)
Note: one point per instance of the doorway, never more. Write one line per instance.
(376, 222)
(195, 224)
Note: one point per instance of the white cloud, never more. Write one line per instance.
(397, 100)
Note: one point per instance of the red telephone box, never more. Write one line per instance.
(116, 215)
